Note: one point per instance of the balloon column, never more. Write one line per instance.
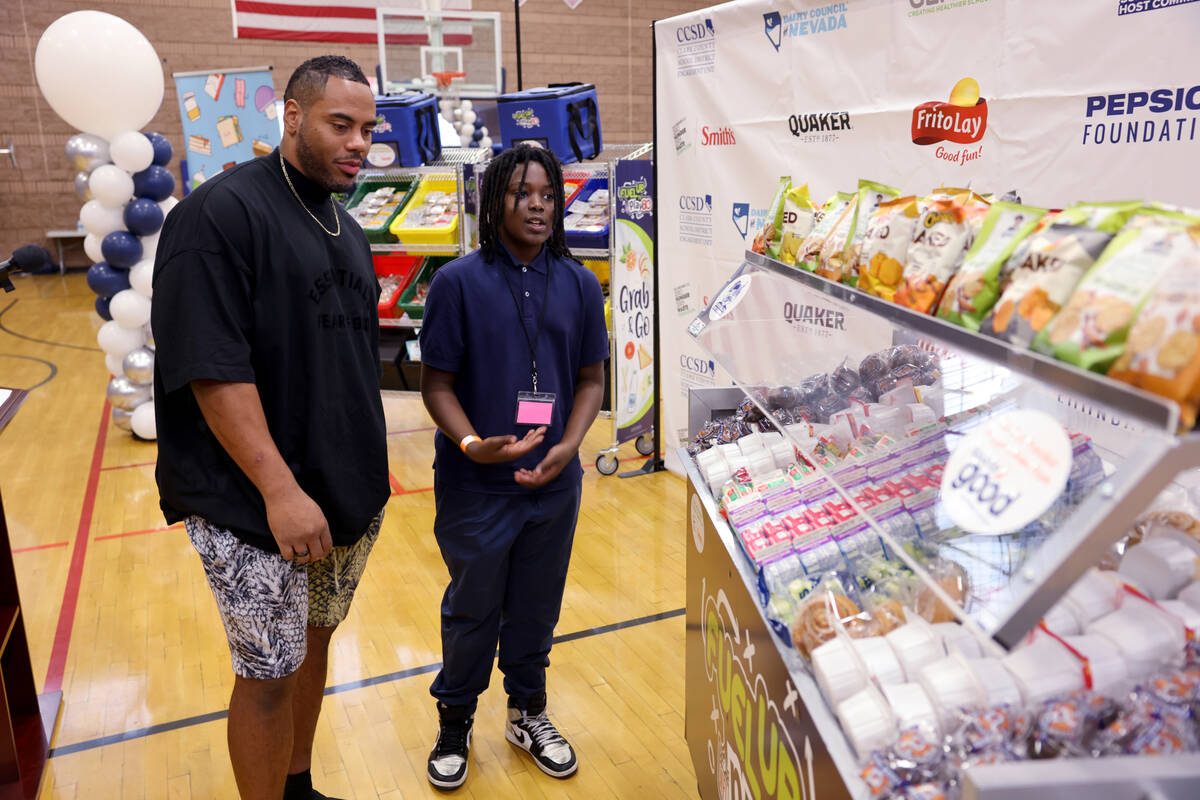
(471, 130)
(100, 74)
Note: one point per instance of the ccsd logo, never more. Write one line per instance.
(696, 48)
(963, 120)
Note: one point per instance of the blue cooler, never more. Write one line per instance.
(406, 131)
(562, 118)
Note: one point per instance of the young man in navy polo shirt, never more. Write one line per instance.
(513, 347)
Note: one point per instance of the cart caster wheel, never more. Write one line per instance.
(644, 445)
(606, 464)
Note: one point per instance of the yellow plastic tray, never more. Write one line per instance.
(440, 234)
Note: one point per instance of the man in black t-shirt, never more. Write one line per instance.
(271, 435)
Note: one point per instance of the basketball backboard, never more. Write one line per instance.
(416, 48)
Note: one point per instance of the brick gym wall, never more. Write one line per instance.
(605, 42)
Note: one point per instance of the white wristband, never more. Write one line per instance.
(466, 441)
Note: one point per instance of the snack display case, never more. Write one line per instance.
(904, 531)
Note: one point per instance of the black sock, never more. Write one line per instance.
(298, 786)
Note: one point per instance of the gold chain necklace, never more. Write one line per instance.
(336, 218)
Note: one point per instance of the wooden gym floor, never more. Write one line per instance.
(120, 618)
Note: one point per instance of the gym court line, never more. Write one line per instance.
(391, 677)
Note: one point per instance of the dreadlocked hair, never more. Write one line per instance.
(494, 190)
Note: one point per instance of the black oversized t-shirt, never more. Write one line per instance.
(248, 288)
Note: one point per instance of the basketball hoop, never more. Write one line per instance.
(444, 78)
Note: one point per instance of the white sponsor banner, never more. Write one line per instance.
(1061, 102)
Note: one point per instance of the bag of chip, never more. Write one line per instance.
(798, 214)
(1091, 330)
(975, 287)
(832, 256)
(831, 214)
(1162, 353)
(1055, 260)
(1107, 217)
(870, 196)
(940, 240)
(772, 230)
(885, 247)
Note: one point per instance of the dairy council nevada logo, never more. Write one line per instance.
(963, 120)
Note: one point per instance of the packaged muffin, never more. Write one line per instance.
(1055, 260)
(975, 288)
(1162, 352)
(798, 214)
(832, 214)
(870, 196)
(772, 230)
(885, 248)
(940, 240)
(832, 256)
(1091, 329)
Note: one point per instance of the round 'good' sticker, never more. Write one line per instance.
(1007, 472)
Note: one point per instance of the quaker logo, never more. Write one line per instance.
(963, 120)
(525, 118)
(741, 218)
(717, 137)
(819, 127)
(921, 8)
(802, 314)
(1138, 6)
(823, 19)
(696, 48)
(1166, 114)
(698, 366)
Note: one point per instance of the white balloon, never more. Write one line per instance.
(118, 341)
(115, 365)
(99, 73)
(483, 130)
(150, 245)
(100, 219)
(91, 246)
(466, 105)
(458, 113)
(130, 309)
(131, 151)
(143, 421)
(168, 204)
(111, 185)
(485, 142)
(465, 138)
(468, 117)
(141, 276)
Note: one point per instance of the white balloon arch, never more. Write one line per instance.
(101, 75)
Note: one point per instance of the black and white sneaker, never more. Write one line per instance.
(531, 730)
(447, 767)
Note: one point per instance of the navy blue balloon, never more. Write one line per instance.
(163, 152)
(477, 135)
(121, 249)
(106, 281)
(102, 307)
(143, 216)
(154, 182)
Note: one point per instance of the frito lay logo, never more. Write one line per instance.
(962, 120)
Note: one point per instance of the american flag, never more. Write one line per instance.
(343, 21)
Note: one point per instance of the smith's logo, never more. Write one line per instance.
(714, 137)
(800, 314)
(963, 120)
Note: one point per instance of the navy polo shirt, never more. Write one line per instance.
(472, 327)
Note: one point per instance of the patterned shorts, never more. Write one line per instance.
(266, 603)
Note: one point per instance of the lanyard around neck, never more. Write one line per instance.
(532, 342)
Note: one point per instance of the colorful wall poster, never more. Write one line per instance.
(229, 116)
